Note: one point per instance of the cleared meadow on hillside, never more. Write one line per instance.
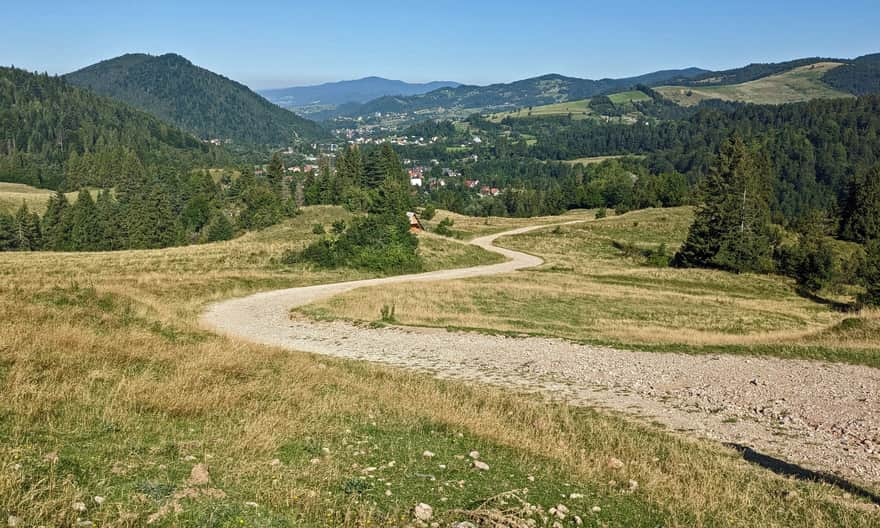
(800, 84)
(111, 390)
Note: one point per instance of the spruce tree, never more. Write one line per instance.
(861, 217)
(730, 227)
(56, 223)
(8, 238)
(109, 222)
(85, 232)
(27, 230)
(275, 173)
(871, 273)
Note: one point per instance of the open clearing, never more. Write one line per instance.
(800, 84)
(112, 390)
(12, 195)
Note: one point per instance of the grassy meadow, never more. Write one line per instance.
(12, 195)
(118, 410)
(595, 287)
(799, 84)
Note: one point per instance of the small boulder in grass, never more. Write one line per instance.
(474, 454)
(428, 454)
(423, 512)
(79, 506)
(13, 522)
(615, 463)
(482, 466)
(99, 500)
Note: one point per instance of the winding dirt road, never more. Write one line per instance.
(822, 416)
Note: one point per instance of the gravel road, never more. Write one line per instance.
(822, 416)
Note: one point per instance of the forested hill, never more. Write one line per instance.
(195, 99)
(47, 124)
(860, 76)
(542, 90)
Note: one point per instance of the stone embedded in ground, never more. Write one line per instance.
(79, 506)
(428, 454)
(474, 454)
(423, 512)
(595, 509)
(13, 522)
(633, 485)
(577, 520)
(252, 504)
(482, 466)
(576, 496)
(275, 462)
(198, 476)
(99, 500)
(615, 463)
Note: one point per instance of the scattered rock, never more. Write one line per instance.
(275, 462)
(84, 524)
(51, 457)
(577, 520)
(530, 478)
(13, 522)
(198, 476)
(252, 504)
(388, 493)
(428, 454)
(482, 466)
(189, 458)
(595, 509)
(633, 485)
(615, 463)
(576, 496)
(99, 500)
(423, 512)
(79, 506)
(474, 454)
(464, 524)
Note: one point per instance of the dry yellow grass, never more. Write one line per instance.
(110, 389)
(12, 195)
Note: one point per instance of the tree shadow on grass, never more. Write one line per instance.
(781, 467)
(834, 305)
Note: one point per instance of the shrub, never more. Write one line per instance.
(601, 213)
(444, 228)
(318, 229)
(428, 212)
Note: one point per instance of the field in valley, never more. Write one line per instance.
(800, 84)
(120, 410)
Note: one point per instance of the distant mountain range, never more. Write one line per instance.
(546, 89)
(339, 93)
(194, 99)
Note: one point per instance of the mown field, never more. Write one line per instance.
(579, 109)
(596, 287)
(118, 410)
(800, 84)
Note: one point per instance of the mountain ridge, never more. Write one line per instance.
(195, 99)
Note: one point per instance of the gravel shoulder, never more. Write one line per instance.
(822, 416)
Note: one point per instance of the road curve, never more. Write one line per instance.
(257, 317)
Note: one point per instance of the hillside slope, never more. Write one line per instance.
(195, 99)
(44, 122)
(802, 83)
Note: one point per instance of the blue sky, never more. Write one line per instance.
(273, 43)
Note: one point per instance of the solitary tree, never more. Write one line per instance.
(730, 228)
